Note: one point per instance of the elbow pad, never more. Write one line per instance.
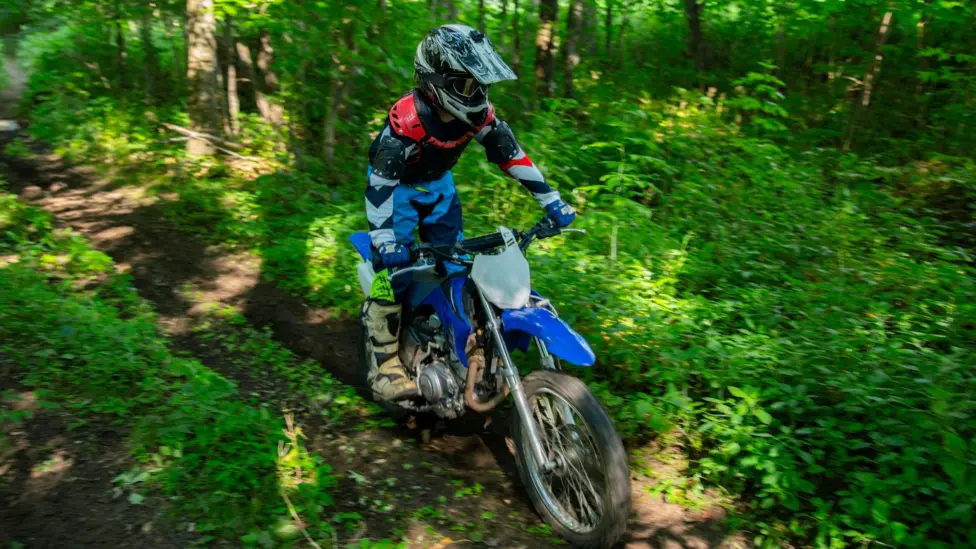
(500, 145)
(390, 159)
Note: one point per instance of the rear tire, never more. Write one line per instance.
(598, 440)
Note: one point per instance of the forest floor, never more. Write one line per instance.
(463, 486)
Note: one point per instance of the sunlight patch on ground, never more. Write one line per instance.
(56, 465)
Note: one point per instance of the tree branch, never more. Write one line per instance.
(203, 136)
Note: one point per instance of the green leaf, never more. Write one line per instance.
(136, 499)
(737, 392)
(879, 511)
(763, 416)
(287, 529)
(955, 445)
(898, 531)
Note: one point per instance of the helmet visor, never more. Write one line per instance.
(475, 55)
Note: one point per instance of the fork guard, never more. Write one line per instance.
(561, 340)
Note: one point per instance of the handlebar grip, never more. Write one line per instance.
(483, 243)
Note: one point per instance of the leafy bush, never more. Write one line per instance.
(217, 457)
(803, 317)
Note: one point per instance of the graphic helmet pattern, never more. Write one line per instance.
(454, 66)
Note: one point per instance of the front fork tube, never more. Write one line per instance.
(546, 360)
(511, 374)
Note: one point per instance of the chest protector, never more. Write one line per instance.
(433, 157)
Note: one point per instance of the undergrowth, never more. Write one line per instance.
(74, 330)
(805, 319)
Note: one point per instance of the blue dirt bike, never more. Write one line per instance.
(467, 308)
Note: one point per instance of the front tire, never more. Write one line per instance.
(586, 498)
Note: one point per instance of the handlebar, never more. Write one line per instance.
(545, 228)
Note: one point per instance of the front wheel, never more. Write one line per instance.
(586, 497)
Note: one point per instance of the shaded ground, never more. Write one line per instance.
(56, 488)
(457, 487)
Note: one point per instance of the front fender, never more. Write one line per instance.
(561, 340)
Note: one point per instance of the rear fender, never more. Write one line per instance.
(561, 340)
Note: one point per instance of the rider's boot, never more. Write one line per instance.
(390, 380)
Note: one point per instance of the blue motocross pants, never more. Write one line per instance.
(434, 208)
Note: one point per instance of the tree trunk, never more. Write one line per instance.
(337, 96)
(545, 46)
(15, 78)
(152, 58)
(516, 42)
(266, 82)
(340, 88)
(481, 16)
(608, 29)
(223, 111)
(621, 29)
(503, 18)
(695, 48)
(923, 66)
(783, 19)
(179, 56)
(588, 37)
(434, 8)
(571, 58)
(202, 74)
(233, 98)
(870, 77)
(246, 66)
(120, 46)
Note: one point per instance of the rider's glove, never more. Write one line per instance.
(561, 213)
(393, 255)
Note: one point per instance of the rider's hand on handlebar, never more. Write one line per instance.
(561, 213)
(393, 255)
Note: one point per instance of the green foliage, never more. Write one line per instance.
(757, 104)
(216, 457)
(799, 317)
(819, 294)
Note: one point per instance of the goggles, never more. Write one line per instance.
(464, 86)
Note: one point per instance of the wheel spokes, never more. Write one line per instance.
(567, 440)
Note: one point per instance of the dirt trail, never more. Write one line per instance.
(180, 274)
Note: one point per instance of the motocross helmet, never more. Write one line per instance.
(454, 66)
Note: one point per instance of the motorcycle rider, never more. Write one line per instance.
(410, 183)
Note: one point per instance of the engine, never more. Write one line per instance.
(437, 382)
(439, 374)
